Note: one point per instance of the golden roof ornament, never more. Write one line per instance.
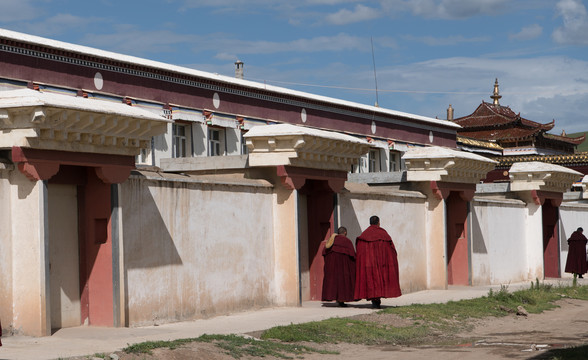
(496, 95)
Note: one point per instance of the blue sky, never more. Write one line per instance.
(428, 53)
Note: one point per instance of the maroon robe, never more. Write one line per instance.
(339, 271)
(576, 261)
(377, 265)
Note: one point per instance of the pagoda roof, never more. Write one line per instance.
(504, 134)
(572, 140)
(494, 122)
(514, 134)
(490, 115)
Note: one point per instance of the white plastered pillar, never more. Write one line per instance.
(438, 171)
(30, 256)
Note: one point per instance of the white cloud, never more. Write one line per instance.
(340, 42)
(528, 33)
(446, 41)
(575, 23)
(541, 89)
(129, 40)
(13, 11)
(60, 24)
(359, 14)
(446, 9)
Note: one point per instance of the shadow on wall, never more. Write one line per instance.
(478, 241)
(349, 219)
(147, 240)
(24, 185)
(564, 238)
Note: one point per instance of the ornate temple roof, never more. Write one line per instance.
(498, 123)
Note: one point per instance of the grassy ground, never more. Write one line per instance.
(426, 322)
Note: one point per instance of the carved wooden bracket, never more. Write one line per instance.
(38, 164)
(294, 178)
(442, 190)
(539, 197)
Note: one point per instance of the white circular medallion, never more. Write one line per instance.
(216, 100)
(303, 115)
(373, 127)
(98, 81)
(430, 136)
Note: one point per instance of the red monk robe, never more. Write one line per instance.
(377, 265)
(576, 261)
(339, 271)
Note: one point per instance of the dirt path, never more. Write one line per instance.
(512, 337)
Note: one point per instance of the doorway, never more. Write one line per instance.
(64, 261)
(457, 240)
(320, 214)
(550, 215)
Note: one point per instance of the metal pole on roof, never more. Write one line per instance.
(375, 77)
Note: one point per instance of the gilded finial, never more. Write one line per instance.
(496, 95)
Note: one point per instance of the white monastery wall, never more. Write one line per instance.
(498, 241)
(23, 255)
(402, 214)
(195, 249)
(572, 216)
(5, 250)
(534, 240)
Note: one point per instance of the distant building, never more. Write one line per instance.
(498, 132)
(516, 135)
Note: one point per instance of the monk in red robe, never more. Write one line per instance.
(339, 270)
(576, 261)
(377, 265)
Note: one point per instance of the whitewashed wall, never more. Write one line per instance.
(5, 251)
(402, 214)
(498, 241)
(23, 268)
(572, 216)
(195, 249)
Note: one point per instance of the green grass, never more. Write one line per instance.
(337, 330)
(431, 323)
(236, 346)
(428, 319)
(147, 346)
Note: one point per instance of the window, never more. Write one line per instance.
(373, 161)
(244, 149)
(179, 140)
(394, 161)
(214, 142)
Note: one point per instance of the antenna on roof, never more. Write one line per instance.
(375, 76)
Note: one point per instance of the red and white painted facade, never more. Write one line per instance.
(134, 192)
